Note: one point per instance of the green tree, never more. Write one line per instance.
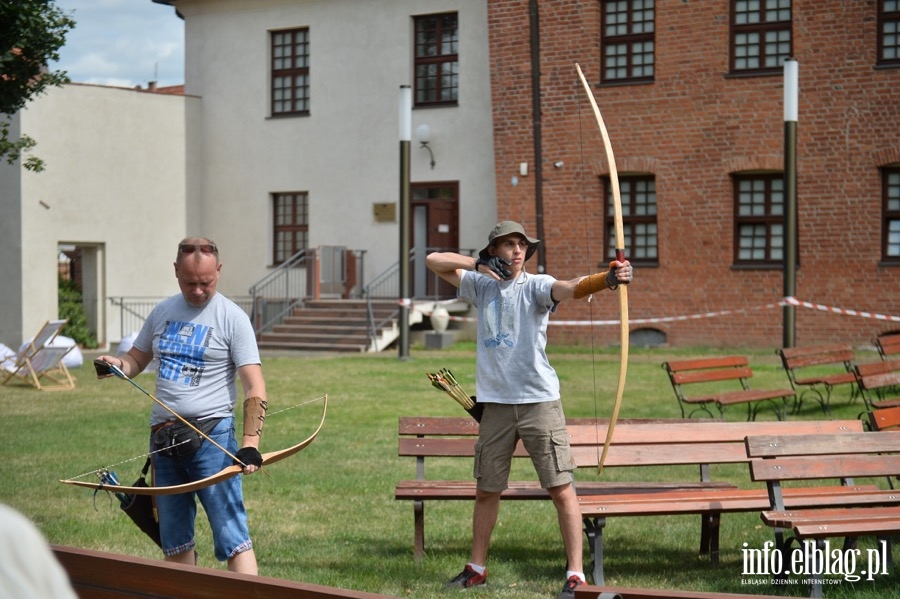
(31, 34)
(71, 307)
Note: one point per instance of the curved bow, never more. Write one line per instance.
(224, 474)
(620, 256)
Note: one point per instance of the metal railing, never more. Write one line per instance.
(386, 285)
(133, 311)
(292, 283)
(277, 293)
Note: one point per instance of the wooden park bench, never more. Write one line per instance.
(699, 383)
(702, 446)
(884, 419)
(869, 511)
(595, 592)
(107, 575)
(888, 345)
(816, 370)
(438, 438)
(879, 383)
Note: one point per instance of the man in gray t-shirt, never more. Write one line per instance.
(516, 384)
(204, 342)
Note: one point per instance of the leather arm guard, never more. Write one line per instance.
(254, 416)
(593, 283)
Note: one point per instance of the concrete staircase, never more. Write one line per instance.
(336, 325)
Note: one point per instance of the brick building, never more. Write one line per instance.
(692, 95)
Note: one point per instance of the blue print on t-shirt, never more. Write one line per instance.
(181, 349)
(497, 325)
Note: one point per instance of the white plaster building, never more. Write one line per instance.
(129, 173)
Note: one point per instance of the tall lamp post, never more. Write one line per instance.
(791, 110)
(405, 137)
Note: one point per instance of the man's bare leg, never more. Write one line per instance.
(244, 562)
(569, 514)
(484, 517)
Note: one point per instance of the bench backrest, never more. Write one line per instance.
(878, 375)
(884, 419)
(888, 344)
(795, 358)
(701, 372)
(634, 443)
(806, 457)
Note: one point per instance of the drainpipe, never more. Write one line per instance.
(536, 130)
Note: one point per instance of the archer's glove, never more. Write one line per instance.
(496, 264)
(612, 281)
(249, 456)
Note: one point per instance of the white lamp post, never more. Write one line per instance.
(404, 299)
(791, 110)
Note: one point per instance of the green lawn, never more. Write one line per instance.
(327, 515)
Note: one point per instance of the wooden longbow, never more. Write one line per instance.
(224, 474)
(620, 256)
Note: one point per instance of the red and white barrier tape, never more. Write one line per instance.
(786, 301)
(795, 302)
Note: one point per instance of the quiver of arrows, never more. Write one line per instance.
(446, 382)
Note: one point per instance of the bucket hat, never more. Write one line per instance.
(508, 227)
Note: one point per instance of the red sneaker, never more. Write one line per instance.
(467, 578)
(568, 591)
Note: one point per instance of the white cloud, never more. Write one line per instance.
(123, 43)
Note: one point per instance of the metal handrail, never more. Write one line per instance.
(133, 311)
(386, 284)
(279, 292)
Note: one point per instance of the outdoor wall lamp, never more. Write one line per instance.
(423, 134)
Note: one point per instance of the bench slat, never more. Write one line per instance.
(641, 431)
(97, 574)
(843, 529)
(677, 502)
(592, 592)
(467, 426)
(813, 467)
(586, 456)
(888, 345)
(463, 490)
(768, 446)
(884, 419)
(791, 518)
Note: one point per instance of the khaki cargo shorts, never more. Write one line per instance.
(542, 429)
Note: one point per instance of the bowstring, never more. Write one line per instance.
(168, 447)
(125, 461)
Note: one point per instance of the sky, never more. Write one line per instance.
(122, 43)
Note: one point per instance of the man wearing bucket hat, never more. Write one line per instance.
(516, 384)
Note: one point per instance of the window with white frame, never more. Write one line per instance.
(889, 32)
(759, 219)
(760, 35)
(290, 72)
(290, 211)
(436, 59)
(890, 184)
(628, 40)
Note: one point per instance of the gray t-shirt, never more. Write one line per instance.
(511, 364)
(199, 351)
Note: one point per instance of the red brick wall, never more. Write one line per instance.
(692, 128)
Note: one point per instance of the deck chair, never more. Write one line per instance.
(40, 364)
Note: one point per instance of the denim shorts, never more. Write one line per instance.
(222, 502)
(542, 429)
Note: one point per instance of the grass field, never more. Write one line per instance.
(327, 515)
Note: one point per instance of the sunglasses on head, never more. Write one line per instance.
(190, 248)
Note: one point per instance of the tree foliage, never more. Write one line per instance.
(31, 34)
